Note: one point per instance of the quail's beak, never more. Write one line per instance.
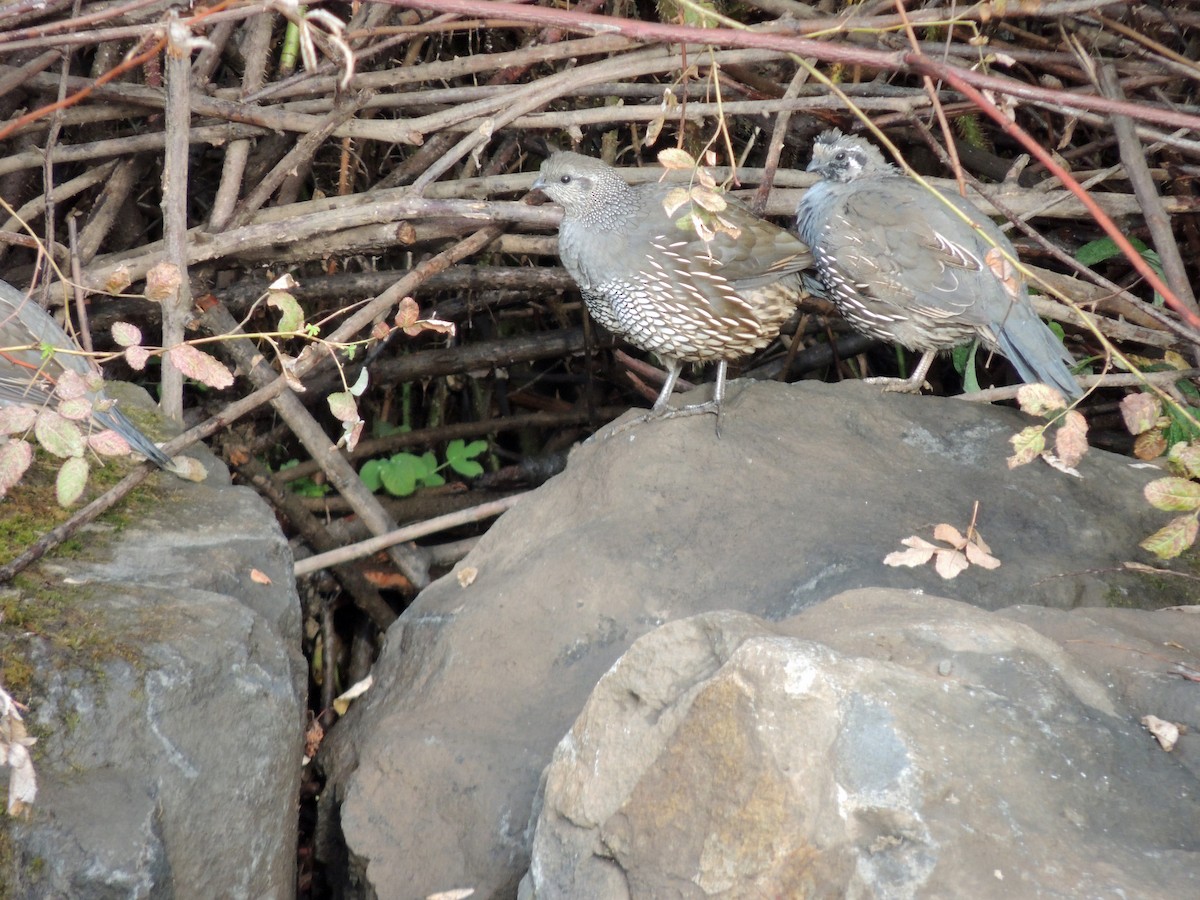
(538, 183)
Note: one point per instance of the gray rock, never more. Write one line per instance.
(432, 775)
(825, 756)
(171, 722)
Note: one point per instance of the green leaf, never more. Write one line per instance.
(1184, 459)
(370, 474)
(291, 317)
(461, 457)
(1099, 250)
(58, 435)
(1173, 538)
(72, 479)
(1173, 494)
(400, 473)
(1028, 443)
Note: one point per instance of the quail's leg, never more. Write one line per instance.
(912, 384)
(663, 410)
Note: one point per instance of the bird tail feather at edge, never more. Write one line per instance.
(116, 420)
(1046, 363)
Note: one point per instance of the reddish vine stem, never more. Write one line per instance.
(789, 43)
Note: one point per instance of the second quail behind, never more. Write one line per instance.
(903, 266)
(649, 276)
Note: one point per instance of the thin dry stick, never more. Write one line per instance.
(176, 307)
(408, 533)
(1157, 220)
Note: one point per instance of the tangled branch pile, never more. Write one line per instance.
(380, 150)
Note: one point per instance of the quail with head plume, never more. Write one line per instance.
(650, 277)
(902, 266)
(27, 377)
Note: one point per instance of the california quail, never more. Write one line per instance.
(28, 378)
(902, 266)
(649, 276)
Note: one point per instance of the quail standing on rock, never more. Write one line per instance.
(651, 277)
(27, 377)
(903, 266)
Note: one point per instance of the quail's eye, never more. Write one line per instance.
(840, 156)
(565, 179)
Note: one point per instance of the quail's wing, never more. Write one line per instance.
(902, 247)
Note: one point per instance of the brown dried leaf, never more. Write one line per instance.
(1028, 444)
(674, 158)
(15, 458)
(708, 199)
(675, 200)
(950, 535)
(978, 555)
(950, 563)
(198, 365)
(467, 576)
(117, 281)
(137, 357)
(1173, 538)
(1070, 441)
(1039, 399)
(1006, 273)
(1184, 459)
(1173, 494)
(408, 313)
(1166, 733)
(108, 443)
(1150, 444)
(1140, 412)
(259, 577)
(162, 281)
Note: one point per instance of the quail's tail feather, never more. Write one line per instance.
(1039, 356)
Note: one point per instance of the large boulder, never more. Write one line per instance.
(809, 487)
(169, 705)
(881, 744)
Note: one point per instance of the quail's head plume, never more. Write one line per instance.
(924, 271)
(666, 281)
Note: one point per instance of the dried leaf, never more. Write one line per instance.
(1039, 399)
(1173, 538)
(117, 281)
(77, 410)
(198, 365)
(312, 740)
(467, 575)
(1070, 441)
(1173, 494)
(108, 443)
(57, 435)
(708, 199)
(15, 458)
(71, 480)
(1006, 273)
(342, 702)
(70, 385)
(1028, 444)
(1150, 444)
(259, 577)
(1140, 412)
(1166, 733)
(950, 563)
(1055, 463)
(126, 335)
(950, 535)
(162, 281)
(1184, 459)
(343, 406)
(136, 357)
(16, 418)
(979, 556)
(291, 318)
(674, 158)
(408, 313)
(675, 199)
